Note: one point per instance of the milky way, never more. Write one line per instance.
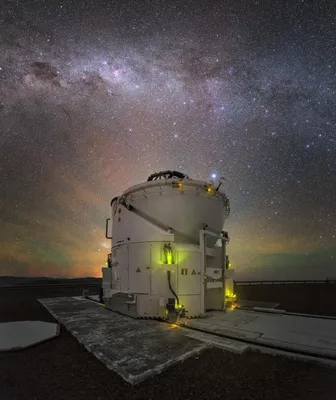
(96, 96)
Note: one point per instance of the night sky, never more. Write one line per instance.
(97, 95)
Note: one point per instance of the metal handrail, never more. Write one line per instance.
(285, 282)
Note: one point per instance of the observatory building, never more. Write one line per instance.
(168, 255)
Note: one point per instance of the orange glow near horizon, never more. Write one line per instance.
(64, 236)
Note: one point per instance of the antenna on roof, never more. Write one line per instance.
(221, 181)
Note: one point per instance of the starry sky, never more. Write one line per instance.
(97, 95)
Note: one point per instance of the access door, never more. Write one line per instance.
(139, 268)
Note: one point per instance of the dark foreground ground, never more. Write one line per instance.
(63, 369)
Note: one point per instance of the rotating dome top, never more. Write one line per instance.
(171, 199)
(169, 174)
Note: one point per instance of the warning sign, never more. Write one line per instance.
(138, 270)
(193, 272)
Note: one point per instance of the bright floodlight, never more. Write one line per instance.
(213, 176)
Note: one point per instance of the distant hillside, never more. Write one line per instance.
(16, 280)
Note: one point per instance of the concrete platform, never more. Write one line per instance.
(22, 334)
(135, 349)
(311, 336)
(94, 297)
(247, 304)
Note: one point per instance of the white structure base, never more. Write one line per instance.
(143, 289)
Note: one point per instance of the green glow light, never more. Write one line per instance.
(168, 254)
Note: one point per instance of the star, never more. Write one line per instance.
(94, 99)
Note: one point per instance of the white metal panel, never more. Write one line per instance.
(122, 268)
(107, 278)
(139, 268)
(188, 272)
(148, 305)
(214, 285)
(192, 304)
